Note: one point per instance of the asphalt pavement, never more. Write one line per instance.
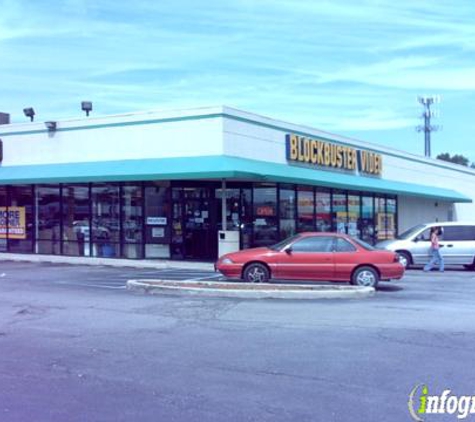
(76, 346)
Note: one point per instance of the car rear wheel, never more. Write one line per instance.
(256, 273)
(404, 259)
(365, 276)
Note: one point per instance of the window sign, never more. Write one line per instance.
(157, 221)
(15, 217)
(158, 232)
(265, 210)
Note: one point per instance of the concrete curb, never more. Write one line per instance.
(253, 291)
(111, 262)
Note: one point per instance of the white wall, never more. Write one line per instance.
(412, 211)
(81, 141)
(431, 173)
(253, 142)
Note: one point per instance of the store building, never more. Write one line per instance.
(162, 184)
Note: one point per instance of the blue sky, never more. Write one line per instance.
(353, 68)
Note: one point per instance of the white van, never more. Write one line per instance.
(457, 244)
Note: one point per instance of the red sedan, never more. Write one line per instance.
(316, 257)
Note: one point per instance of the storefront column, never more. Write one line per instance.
(223, 205)
(36, 219)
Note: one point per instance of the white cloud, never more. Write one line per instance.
(339, 65)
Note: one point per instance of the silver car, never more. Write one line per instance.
(457, 244)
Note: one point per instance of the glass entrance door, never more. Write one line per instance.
(194, 223)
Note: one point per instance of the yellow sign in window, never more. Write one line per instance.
(15, 218)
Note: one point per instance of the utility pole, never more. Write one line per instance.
(427, 128)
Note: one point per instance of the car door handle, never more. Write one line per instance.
(450, 246)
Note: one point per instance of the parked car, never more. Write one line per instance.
(313, 256)
(457, 244)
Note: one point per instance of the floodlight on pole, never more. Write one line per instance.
(29, 112)
(86, 106)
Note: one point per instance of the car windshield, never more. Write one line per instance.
(408, 233)
(363, 244)
(283, 243)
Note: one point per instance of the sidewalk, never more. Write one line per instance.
(112, 262)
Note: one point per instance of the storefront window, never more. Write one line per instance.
(287, 211)
(323, 210)
(196, 193)
(155, 220)
(21, 221)
(367, 219)
(105, 220)
(176, 251)
(194, 225)
(340, 211)
(76, 220)
(246, 218)
(354, 215)
(132, 220)
(381, 218)
(232, 208)
(391, 223)
(265, 215)
(3, 219)
(48, 220)
(157, 216)
(305, 209)
(385, 217)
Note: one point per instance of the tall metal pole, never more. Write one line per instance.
(427, 128)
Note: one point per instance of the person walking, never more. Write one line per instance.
(436, 257)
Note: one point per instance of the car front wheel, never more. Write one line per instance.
(256, 273)
(404, 259)
(365, 276)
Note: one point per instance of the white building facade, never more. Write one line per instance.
(150, 185)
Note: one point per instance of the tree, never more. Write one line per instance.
(456, 158)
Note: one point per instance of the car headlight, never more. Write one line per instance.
(227, 261)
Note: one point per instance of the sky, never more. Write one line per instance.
(354, 68)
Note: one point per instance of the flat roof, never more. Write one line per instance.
(212, 112)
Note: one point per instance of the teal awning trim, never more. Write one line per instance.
(214, 167)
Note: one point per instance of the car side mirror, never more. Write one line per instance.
(417, 238)
(288, 250)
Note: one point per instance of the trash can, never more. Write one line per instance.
(228, 241)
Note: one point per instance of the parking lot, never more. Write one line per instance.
(76, 346)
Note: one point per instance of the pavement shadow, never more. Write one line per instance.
(449, 268)
(382, 287)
